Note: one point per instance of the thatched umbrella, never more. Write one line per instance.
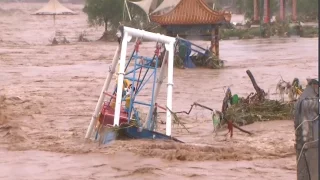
(54, 7)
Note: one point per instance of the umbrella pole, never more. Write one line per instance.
(54, 24)
(54, 20)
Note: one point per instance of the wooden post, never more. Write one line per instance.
(212, 47)
(294, 10)
(216, 40)
(166, 32)
(256, 17)
(282, 10)
(266, 11)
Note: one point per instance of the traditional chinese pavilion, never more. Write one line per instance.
(193, 17)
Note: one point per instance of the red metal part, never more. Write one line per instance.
(107, 115)
(158, 49)
(161, 107)
(137, 46)
(230, 128)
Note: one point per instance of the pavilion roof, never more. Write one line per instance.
(191, 12)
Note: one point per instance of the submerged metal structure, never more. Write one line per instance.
(132, 76)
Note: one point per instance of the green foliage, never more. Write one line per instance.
(309, 31)
(111, 12)
(240, 33)
(104, 12)
(240, 6)
(178, 61)
(227, 33)
(274, 7)
(248, 7)
(267, 110)
(308, 9)
(278, 29)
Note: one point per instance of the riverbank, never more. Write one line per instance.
(284, 30)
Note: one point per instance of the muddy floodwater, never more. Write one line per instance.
(48, 94)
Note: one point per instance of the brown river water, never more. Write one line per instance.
(48, 93)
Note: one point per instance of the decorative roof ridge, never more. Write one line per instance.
(209, 9)
(203, 4)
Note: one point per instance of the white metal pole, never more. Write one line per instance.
(160, 79)
(104, 88)
(120, 79)
(129, 14)
(170, 88)
(149, 35)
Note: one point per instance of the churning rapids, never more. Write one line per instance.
(48, 93)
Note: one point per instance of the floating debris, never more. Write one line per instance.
(256, 107)
(245, 113)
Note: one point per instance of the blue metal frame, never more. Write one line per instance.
(151, 123)
(201, 50)
(125, 69)
(132, 76)
(143, 82)
(192, 48)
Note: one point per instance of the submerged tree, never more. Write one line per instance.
(104, 12)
